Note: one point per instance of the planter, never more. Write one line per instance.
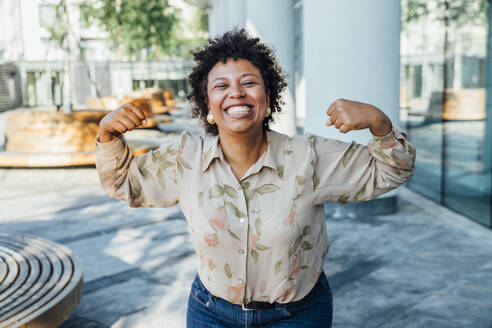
(54, 139)
(52, 132)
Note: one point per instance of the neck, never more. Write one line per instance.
(242, 151)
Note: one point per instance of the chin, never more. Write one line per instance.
(244, 128)
(241, 126)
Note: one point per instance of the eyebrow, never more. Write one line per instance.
(246, 74)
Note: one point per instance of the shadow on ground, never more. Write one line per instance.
(423, 266)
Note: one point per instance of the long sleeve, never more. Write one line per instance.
(148, 180)
(349, 172)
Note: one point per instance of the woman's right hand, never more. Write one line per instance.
(124, 118)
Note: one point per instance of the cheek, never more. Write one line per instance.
(261, 97)
(213, 101)
(264, 100)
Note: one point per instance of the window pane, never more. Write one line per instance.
(467, 154)
(446, 103)
(422, 83)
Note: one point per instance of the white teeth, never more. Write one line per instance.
(239, 110)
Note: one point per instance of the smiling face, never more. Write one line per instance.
(236, 97)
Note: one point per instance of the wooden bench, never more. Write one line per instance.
(53, 159)
(55, 139)
(40, 282)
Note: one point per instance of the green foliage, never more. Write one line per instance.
(197, 28)
(453, 12)
(413, 10)
(134, 25)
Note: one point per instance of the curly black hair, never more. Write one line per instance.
(234, 44)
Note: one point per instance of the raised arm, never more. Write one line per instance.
(347, 172)
(148, 180)
(347, 115)
(124, 118)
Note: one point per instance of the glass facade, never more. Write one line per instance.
(446, 101)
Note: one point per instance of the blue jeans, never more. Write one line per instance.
(207, 310)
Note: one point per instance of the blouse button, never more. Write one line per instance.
(241, 220)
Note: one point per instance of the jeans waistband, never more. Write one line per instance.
(321, 287)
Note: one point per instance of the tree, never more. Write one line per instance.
(456, 12)
(184, 43)
(134, 25)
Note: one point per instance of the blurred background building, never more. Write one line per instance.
(32, 55)
(426, 63)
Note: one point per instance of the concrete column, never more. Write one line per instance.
(352, 51)
(273, 22)
(236, 14)
(215, 17)
(224, 15)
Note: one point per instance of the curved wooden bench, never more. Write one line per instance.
(53, 139)
(53, 159)
(40, 282)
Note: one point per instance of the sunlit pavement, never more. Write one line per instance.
(423, 266)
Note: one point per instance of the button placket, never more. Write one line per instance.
(243, 251)
(244, 220)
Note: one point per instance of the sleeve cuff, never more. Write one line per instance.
(112, 148)
(394, 133)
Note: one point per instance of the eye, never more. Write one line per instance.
(249, 83)
(221, 85)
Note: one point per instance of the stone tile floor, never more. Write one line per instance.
(423, 266)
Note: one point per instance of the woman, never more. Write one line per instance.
(253, 198)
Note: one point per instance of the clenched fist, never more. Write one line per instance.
(124, 118)
(348, 115)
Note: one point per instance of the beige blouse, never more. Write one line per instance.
(262, 238)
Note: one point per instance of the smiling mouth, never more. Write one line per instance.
(239, 111)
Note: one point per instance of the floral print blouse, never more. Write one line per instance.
(262, 238)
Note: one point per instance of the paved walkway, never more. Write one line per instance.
(424, 266)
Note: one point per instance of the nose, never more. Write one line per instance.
(236, 91)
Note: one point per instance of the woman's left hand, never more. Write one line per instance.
(348, 115)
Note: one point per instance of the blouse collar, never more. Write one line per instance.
(268, 158)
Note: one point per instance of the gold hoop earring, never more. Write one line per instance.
(268, 112)
(210, 118)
